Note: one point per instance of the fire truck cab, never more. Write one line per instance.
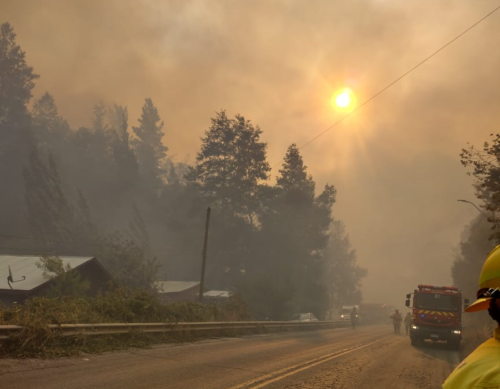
(436, 314)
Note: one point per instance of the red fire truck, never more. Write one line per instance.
(436, 314)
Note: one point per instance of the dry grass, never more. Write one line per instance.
(38, 340)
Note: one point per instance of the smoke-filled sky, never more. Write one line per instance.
(395, 162)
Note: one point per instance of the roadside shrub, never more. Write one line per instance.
(118, 306)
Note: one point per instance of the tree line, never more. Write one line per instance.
(483, 233)
(111, 190)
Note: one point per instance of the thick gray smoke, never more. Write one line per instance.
(395, 162)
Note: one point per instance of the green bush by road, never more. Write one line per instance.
(38, 340)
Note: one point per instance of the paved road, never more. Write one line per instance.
(369, 357)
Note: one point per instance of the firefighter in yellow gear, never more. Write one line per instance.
(396, 321)
(481, 369)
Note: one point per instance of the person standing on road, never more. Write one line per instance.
(396, 321)
(407, 322)
(481, 369)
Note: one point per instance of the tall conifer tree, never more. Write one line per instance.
(148, 144)
(17, 80)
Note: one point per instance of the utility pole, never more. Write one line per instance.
(204, 258)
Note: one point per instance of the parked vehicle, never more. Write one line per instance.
(304, 317)
(345, 312)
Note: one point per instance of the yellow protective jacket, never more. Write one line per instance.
(480, 370)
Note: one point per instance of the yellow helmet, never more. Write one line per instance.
(489, 278)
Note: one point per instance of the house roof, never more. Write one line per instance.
(26, 266)
(217, 293)
(175, 286)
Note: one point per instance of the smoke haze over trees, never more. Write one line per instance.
(472, 252)
(112, 191)
(483, 233)
(394, 162)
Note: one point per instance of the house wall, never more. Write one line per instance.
(9, 297)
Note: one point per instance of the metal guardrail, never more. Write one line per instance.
(7, 331)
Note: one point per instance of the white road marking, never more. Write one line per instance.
(280, 374)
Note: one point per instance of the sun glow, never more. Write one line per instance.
(343, 99)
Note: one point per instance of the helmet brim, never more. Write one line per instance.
(480, 304)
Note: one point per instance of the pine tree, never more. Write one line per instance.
(231, 164)
(293, 198)
(123, 154)
(16, 83)
(16, 78)
(294, 180)
(473, 249)
(139, 231)
(85, 231)
(98, 120)
(50, 215)
(51, 130)
(149, 146)
(294, 234)
(101, 134)
(90, 166)
(341, 273)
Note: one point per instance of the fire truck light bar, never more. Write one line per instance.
(438, 287)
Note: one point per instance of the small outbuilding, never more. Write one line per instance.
(171, 291)
(216, 296)
(22, 278)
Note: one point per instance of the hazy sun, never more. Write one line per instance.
(343, 99)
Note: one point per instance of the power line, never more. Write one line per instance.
(397, 80)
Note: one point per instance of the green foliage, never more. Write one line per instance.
(50, 215)
(118, 306)
(230, 165)
(472, 252)
(483, 233)
(113, 193)
(51, 130)
(16, 77)
(268, 299)
(485, 164)
(139, 230)
(16, 83)
(99, 120)
(148, 144)
(126, 261)
(294, 181)
(296, 245)
(236, 309)
(342, 271)
(64, 281)
(124, 156)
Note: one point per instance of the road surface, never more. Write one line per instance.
(368, 357)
